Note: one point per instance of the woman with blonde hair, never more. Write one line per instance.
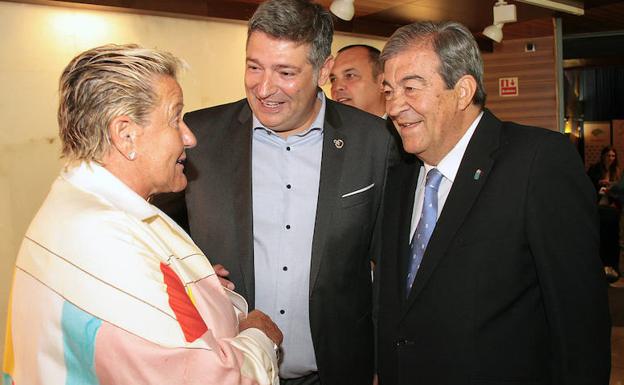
(107, 288)
(605, 174)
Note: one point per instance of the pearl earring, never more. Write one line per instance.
(132, 155)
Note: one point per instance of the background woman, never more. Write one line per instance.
(605, 174)
(107, 288)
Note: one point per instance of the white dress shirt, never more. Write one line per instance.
(448, 166)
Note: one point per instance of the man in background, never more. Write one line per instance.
(356, 79)
(280, 194)
(489, 266)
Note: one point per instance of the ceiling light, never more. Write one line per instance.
(567, 6)
(343, 9)
(503, 13)
(494, 32)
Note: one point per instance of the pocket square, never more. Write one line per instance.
(370, 186)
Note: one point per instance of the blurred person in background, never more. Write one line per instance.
(356, 79)
(604, 175)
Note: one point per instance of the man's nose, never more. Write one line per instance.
(395, 104)
(338, 84)
(266, 87)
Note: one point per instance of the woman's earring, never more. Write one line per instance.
(132, 155)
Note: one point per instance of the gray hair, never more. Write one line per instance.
(299, 21)
(455, 46)
(101, 84)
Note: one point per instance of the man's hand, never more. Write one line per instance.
(222, 274)
(259, 320)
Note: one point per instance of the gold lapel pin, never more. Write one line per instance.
(477, 174)
(339, 143)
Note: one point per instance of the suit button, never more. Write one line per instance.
(404, 342)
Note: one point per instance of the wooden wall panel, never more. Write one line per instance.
(536, 103)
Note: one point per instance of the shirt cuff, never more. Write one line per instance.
(263, 341)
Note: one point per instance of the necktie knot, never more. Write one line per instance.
(434, 177)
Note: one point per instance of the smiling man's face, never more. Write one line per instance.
(423, 109)
(281, 83)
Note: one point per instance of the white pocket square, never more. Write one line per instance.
(370, 186)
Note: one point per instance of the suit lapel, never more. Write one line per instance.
(401, 189)
(241, 193)
(465, 190)
(329, 186)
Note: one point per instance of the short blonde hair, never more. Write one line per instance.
(101, 84)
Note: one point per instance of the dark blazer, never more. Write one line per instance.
(219, 202)
(510, 289)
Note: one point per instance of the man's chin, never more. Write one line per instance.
(410, 147)
(270, 121)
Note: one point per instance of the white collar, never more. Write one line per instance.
(449, 165)
(97, 180)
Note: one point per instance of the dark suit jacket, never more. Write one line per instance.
(510, 289)
(219, 202)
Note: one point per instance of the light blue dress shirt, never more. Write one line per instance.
(285, 184)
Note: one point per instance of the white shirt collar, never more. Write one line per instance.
(449, 165)
(97, 180)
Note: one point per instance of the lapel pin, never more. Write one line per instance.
(477, 174)
(338, 143)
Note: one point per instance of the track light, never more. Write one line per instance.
(503, 13)
(343, 9)
(494, 32)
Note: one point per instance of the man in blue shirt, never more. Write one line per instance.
(285, 191)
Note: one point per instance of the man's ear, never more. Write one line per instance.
(379, 81)
(465, 89)
(123, 133)
(325, 70)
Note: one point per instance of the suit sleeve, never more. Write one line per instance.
(562, 228)
(393, 156)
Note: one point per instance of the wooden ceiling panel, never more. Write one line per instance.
(529, 29)
(601, 18)
(475, 14)
(382, 17)
(367, 7)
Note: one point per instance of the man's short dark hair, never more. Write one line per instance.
(373, 57)
(299, 21)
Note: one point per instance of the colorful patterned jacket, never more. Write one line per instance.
(109, 290)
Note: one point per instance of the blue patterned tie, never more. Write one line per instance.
(426, 224)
